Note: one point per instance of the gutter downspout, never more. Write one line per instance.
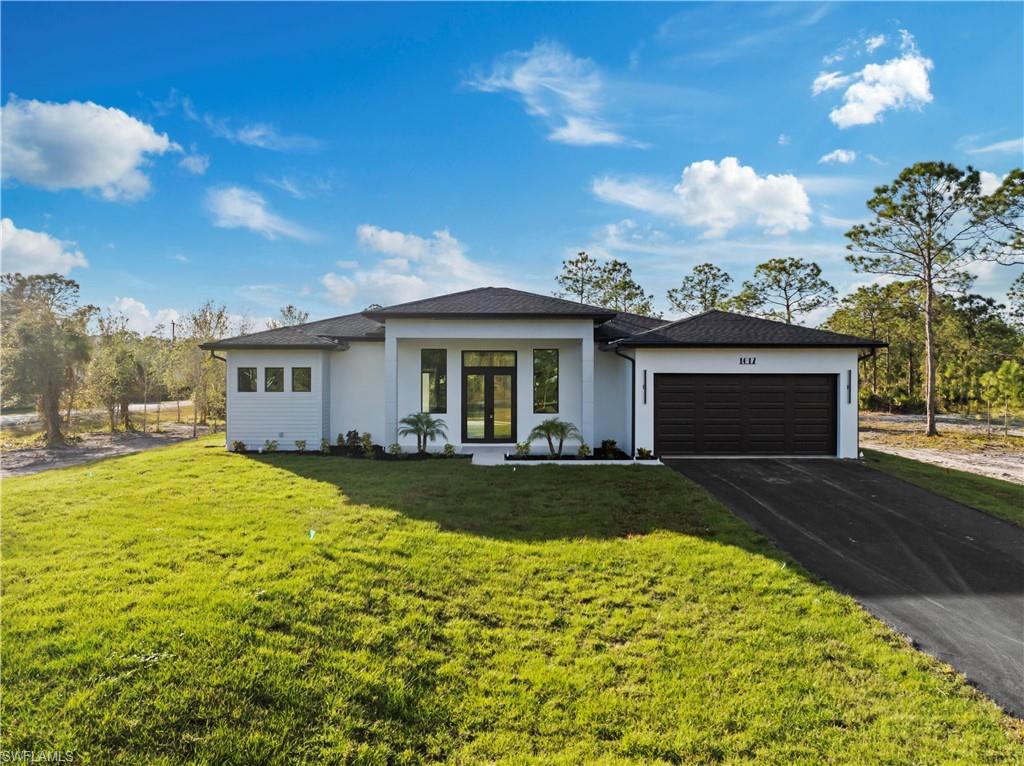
(632, 399)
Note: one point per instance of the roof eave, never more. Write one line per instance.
(380, 316)
(680, 344)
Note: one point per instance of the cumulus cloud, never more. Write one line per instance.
(842, 156)
(718, 197)
(36, 252)
(78, 145)
(900, 83)
(414, 267)
(194, 162)
(235, 207)
(566, 91)
(141, 319)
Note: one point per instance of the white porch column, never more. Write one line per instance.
(587, 392)
(390, 389)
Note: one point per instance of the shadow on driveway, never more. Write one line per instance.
(948, 576)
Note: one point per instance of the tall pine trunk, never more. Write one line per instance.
(929, 360)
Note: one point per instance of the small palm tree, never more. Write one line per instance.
(552, 429)
(423, 426)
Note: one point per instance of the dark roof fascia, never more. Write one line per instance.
(220, 346)
(381, 316)
(626, 343)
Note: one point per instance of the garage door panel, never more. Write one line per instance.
(744, 414)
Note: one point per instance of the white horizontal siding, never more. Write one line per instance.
(284, 416)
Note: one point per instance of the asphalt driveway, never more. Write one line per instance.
(949, 577)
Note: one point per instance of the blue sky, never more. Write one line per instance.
(334, 155)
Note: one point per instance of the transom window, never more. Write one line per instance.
(433, 380)
(545, 380)
(488, 358)
(302, 379)
(246, 379)
(273, 379)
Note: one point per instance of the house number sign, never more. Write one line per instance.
(748, 360)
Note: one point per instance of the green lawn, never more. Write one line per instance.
(171, 606)
(1000, 498)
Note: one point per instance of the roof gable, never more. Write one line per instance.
(724, 328)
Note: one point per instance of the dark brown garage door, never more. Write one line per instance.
(744, 415)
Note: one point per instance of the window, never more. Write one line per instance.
(273, 378)
(246, 379)
(433, 380)
(302, 380)
(545, 380)
(488, 358)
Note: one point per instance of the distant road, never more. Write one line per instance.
(29, 419)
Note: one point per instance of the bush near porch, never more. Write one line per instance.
(193, 604)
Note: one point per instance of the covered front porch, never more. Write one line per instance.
(490, 391)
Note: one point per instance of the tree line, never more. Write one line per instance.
(60, 355)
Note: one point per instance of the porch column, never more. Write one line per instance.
(587, 392)
(390, 389)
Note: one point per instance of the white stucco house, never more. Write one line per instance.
(493, 362)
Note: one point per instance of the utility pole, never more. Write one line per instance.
(177, 394)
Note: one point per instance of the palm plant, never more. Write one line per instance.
(552, 429)
(423, 426)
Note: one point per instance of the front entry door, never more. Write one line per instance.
(488, 404)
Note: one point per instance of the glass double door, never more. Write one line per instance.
(489, 404)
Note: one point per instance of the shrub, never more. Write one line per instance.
(609, 445)
(523, 449)
(449, 450)
(237, 446)
(270, 445)
(325, 446)
(340, 440)
(552, 429)
(300, 445)
(642, 453)
(353, 440)
(584, 450)
(423, 426)
(366, 443)
(395, 449)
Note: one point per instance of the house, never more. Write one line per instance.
(493, 362)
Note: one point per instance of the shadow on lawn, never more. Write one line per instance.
(531, 503)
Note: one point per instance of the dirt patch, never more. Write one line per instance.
(90, 447)
(962, 444)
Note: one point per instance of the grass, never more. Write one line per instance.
(171, 606)
(999, 498)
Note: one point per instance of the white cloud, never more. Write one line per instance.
(141, 319)
(900, 83)
(235, 207)
(873, 43)
(415, 267)
(567, 92)
(194, 162)
(829, 81)
(835, 222)
(989, 181)
(78, 146)
(842, 156)
(717, 197)
(1012, 146)
(36, 252)
(260, 135)
(783, 139)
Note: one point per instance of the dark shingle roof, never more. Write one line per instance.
(624, 324)
(324, 333)
(723, 328)
(495, 303)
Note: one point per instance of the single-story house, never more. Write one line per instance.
(493, 362)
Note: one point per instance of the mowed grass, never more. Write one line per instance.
(999, 498)
(171, 606)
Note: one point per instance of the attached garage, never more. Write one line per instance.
(724, 384)
(744, 414)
